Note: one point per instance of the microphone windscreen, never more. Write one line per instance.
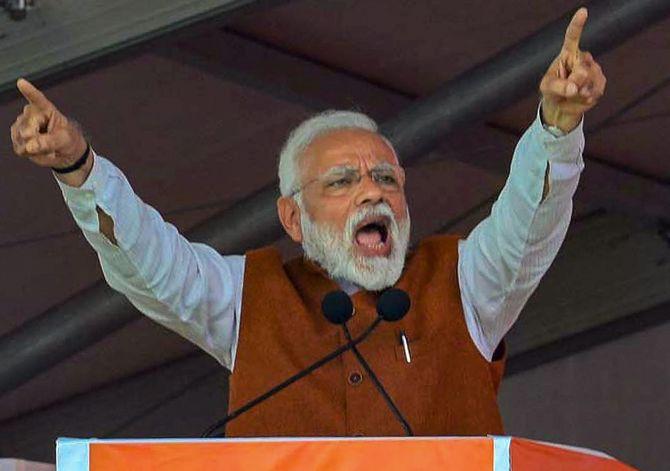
(393, 304)
(337, 307)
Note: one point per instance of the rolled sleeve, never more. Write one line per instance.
(82, 201)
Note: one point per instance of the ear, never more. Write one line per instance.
(289, 215)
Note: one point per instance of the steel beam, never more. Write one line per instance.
(95, 312)
(238, 58)
(58, 35)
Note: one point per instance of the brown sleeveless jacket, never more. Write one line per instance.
(447, 389)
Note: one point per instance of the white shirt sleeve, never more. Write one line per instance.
(502, 260)
(187, 287)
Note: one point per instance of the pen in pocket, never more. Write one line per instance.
(405, 346)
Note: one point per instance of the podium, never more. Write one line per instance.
(491, 453)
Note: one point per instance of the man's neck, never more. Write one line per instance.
(347, 286)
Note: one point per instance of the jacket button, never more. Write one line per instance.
(355, 378)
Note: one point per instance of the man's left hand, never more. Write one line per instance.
(574, 82)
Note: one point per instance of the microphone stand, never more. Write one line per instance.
(293, 379)
(378, 384)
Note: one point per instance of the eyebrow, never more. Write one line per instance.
(342, 169)
(384, 166)
(339, 170)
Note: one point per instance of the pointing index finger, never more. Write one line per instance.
(33, 95)
(574, 32)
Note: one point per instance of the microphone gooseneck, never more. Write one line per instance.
(291, 380)
(378, 385)
(337, 307)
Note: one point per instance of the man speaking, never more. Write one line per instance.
(342, 198)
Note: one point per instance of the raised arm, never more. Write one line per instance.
(187, 287)
(503, 259)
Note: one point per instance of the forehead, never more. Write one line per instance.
(356, 147)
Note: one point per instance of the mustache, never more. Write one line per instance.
(381, 209)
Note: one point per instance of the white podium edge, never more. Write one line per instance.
(72, 454)
(501, 460)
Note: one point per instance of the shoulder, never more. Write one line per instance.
(267, 254)
(433, 260)
(262, 263)
(440, 246)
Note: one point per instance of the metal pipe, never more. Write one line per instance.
(97, 311)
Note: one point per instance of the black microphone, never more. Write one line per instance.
(337, 306)
(392, 306)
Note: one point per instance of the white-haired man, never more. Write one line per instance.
(342, 198)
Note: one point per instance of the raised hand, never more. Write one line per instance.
(574, 82)
(43, 134)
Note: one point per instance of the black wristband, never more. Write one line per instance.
(77, 165)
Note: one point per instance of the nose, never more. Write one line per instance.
(368, 192)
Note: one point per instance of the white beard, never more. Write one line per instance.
(335, 252)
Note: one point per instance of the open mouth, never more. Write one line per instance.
(372, 236)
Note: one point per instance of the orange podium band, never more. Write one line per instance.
(388, 453)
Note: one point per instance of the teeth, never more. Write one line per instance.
(376, 246)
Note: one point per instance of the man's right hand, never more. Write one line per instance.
(47, 138)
